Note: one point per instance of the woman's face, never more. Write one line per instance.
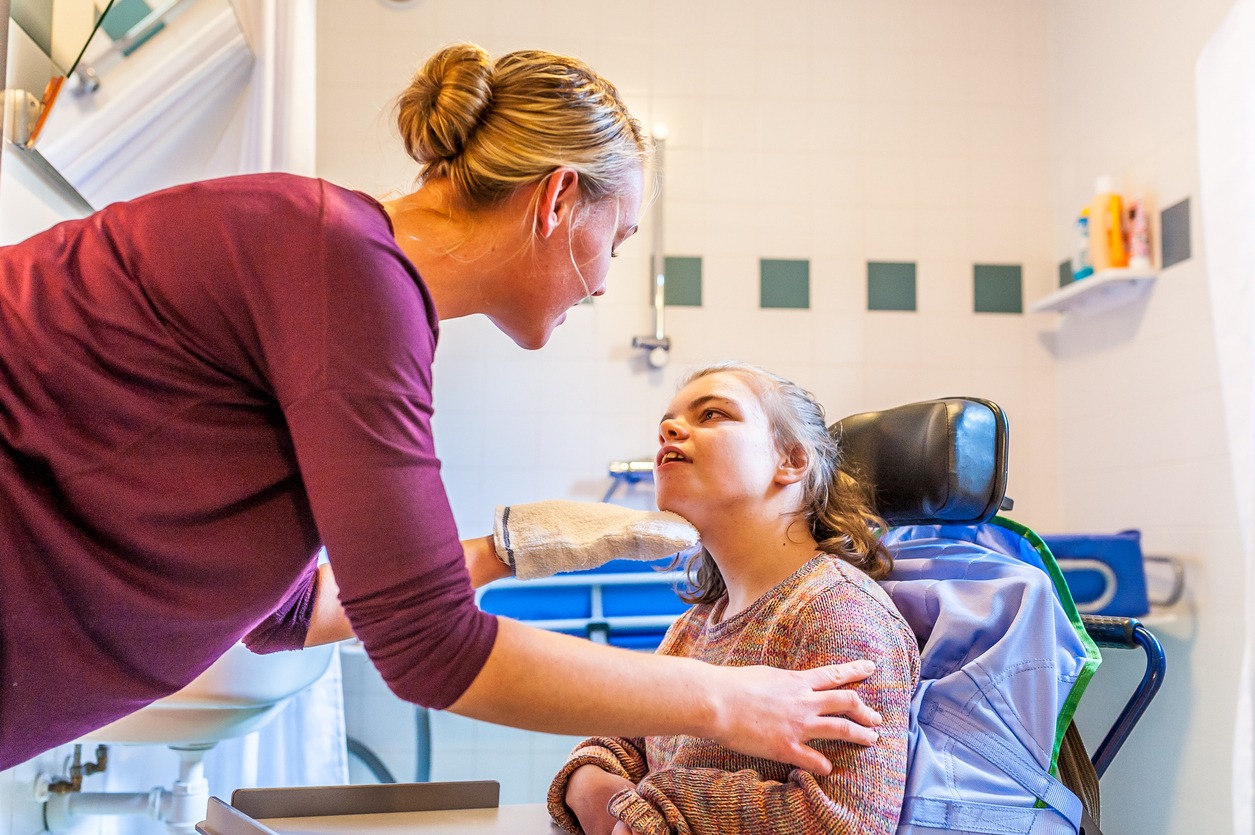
(569, 266)
(716, 450)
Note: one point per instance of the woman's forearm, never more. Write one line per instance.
(556, 683)
(329, 622)
(482, 562)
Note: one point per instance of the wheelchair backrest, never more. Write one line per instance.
(937, 462)
(1004, 656)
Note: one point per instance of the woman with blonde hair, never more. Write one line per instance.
(202, 387)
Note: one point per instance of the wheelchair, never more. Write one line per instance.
(943, 463)
(937, 471)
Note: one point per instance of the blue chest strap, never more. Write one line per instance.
(1060, 816)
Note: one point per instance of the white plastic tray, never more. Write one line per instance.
(457, 808)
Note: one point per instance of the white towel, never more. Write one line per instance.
(545, 538)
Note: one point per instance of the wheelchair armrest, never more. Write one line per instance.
(1128, 633)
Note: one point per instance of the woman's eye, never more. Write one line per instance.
(710, 413)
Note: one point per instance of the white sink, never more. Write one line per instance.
(238, 694)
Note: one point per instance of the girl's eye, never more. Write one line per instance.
(710, 413)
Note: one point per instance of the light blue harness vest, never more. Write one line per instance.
(1004, 662)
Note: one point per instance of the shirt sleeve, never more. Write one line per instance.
(862, 795)
(624, 757)
(287, 627)
(359, 413)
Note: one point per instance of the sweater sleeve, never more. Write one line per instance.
(862, 795)
(624, 757)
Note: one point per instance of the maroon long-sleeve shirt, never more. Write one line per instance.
(198, 388)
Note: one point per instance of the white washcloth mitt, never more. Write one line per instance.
(545, 538)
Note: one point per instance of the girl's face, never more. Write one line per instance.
(568, 267)
(716, 451)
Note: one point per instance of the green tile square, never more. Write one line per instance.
(684, 281)
(1174, 233)
(1065, 273)
(890, 285)
(999, 288)
(125, 15)
(785, 283)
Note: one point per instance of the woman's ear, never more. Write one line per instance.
(792, 466)
(559, 194)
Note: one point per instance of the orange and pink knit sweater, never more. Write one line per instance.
(825, 613)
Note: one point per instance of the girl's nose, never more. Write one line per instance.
(670, 429)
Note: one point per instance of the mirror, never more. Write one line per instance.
(93, 83)
(62, 30)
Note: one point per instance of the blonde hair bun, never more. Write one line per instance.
(446, 102)
(489, 127)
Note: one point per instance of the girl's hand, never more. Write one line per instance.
(621, 828)
(588, 792)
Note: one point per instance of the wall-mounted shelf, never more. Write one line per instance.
(1102, 291)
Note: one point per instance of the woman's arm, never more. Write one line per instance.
(556, 683)
(482, 561)
(330, 624)
(561, 684)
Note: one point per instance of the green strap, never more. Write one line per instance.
(1092, 655)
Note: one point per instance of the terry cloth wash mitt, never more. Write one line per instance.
(540, 539)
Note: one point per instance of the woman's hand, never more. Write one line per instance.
(773, 713)
(588, 792)
(621, 828)
(561, 684)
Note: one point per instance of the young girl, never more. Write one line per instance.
(786, 578)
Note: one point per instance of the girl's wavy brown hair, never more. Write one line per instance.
(836, 505)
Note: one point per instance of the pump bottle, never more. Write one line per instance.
(1106, 228)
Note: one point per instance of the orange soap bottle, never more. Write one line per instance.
(1106, 230)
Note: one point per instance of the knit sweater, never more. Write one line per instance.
(827, 612)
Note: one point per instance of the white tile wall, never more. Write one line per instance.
(834, 131)
(1141, 435)
(943, 131)
(946, 132)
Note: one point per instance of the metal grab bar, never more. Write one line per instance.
(658, 345)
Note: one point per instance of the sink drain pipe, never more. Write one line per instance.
(179, 807)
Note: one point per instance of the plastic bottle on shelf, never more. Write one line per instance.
(1081, 266)
(1139, 236)
(1106, 228)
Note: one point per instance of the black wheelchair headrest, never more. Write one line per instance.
(936, 462)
